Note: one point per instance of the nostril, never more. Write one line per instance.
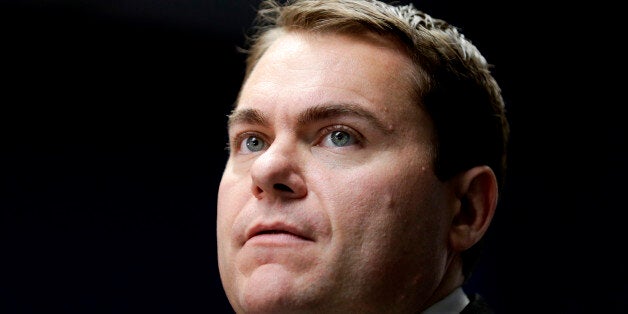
(282, 187)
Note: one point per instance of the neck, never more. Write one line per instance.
(451, 280)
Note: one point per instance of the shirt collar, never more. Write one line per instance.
(453, 303)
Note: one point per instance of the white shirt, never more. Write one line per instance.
(453, 303)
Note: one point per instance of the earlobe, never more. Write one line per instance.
(477, 191)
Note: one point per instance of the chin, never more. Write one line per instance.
(273, 289)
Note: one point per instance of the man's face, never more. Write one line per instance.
(329, 198)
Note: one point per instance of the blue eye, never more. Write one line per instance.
(253, 144)
(339, 139)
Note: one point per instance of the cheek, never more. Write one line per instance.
(383, 230)
(224, 211)
(357, 207)
(379, 190)
(384, 208)
(232, 191)
(232, 194)
(231, 198)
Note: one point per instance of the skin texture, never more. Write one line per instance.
(305, 225)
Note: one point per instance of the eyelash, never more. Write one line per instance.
(239, 139)
(357, 137)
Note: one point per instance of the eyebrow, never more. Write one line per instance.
(248, 116)
(329, 111)
(310, 115)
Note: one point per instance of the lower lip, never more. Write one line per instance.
(277, 239)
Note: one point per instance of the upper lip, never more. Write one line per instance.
(276, 227)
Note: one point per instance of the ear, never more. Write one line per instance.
(477, 192)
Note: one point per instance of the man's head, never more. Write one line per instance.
(364, 148)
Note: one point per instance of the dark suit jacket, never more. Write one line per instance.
(477, 305)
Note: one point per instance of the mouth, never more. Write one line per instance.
(276, 233)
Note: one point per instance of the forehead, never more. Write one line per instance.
(303, 69)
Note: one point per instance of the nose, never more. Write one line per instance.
(276, 173)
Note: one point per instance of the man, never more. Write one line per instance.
(367, 148)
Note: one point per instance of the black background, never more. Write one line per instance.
(112, 120)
